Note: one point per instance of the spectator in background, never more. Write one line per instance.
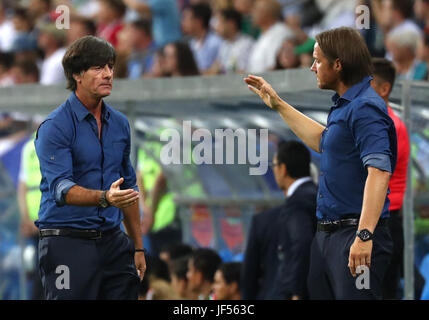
(25, 71)
(287, 58)
(402, 17)
(174, 251)
(6, 61)
(235, 48)
(51, 41)
(266, 16)
(403, 44)
(158, 65)
(245, 8)
(39, 11)
(165, 17)
(204, 43)
(178, 60)
(25, 34)
(305, 53)
(109, 18)
(178, 269)
(142, 47)
(421, 10)
(159, 280)
(384, 79)
(201, 269)
(80, 27)
(7, 29)
(226, 284)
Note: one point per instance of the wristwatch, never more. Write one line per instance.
(103, 200)
(364, 235)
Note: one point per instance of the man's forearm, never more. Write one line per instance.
(132, 224)
(79, 196)
(374, 197)
(308, 130)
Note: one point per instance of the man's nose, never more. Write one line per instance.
(313, 66)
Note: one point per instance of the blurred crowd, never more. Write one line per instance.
(163, 38)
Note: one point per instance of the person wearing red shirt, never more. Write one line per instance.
(384, 78)
(109, 18)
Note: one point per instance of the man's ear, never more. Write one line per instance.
(337, 65)
(78, 77)
(385, 89)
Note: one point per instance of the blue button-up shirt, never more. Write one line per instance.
(359, 133)
(71, 153)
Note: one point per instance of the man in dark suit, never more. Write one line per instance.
(297, 220)
(278, 248)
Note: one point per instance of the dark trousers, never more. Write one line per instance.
(329, 276)
(395, 270)
(76, 268)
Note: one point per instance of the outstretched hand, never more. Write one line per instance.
(264, 90)
(121, 198)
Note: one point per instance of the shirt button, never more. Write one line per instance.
(320, 196)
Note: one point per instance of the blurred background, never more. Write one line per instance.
(185, 60)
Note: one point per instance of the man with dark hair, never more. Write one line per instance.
(204, 43)
(226, 284)
(201, 269)
(178, 269)
(384, 79)
(297, 220)
(358, 156)
(277, 253)
(88, 187)
(235, 49)
(25, 71)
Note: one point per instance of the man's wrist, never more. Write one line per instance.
(141, 250)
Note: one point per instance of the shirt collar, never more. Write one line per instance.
(82, 112)
(353, 91)
(295, 185)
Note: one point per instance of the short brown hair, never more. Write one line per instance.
(347, 45)
(84, 53)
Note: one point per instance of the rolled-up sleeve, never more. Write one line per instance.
(127, 170)
(54, 152)
(377, 160)
(375, 137)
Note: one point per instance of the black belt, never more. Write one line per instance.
(331, 226)
(90, 234)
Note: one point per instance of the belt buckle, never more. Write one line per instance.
(97, 236)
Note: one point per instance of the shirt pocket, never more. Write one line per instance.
(115, 154)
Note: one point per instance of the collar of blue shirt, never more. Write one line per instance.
(82, 112)
(353, 91)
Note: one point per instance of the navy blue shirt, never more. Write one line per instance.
(359, 133)
(71, 153)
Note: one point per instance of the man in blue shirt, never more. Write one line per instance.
(358, 156)
(88, 186)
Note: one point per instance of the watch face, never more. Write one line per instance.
(364, 235)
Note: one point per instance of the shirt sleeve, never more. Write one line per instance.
(374, 134)
(157, 6)
(127, 170)
(55, 157)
